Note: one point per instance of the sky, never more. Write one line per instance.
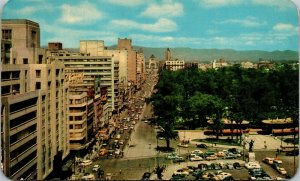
(222, 24)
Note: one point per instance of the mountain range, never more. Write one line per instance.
(204, 55)
(207, 55)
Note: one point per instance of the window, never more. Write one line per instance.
(37, 85)
(40, 59)
(38, 73)
(7, 34)
(25, 60)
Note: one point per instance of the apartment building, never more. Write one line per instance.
(34, 131)
(97, 48)
(140, 68)
(219, 63)
(175, 64)
(126, 44)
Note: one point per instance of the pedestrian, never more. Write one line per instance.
(120, 171)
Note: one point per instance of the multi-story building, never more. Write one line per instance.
(34, 131)
(126, 44)
(140, 68)
(219, 64)
(175, 64)
(247, 64)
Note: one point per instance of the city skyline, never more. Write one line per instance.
(231, 24)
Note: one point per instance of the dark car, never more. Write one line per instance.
(237, 165)
(201, 145)
(146, 176)
(192, 167)
(178, 159)
(292, 153)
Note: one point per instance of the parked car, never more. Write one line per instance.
(86, 162)
(251, 165)
(281, 170)
(197, 152)
(96, 168)
(215, 166)
(103, 152)
(292, 153)
(192, 167)
(230, 166)
(172, 155)
(209, 153)
(212, 157)
(277, 160)
(202, 166)
(178, 159)
(88, 176)
(222, 165)
(201, 145)
(181, 172)
(237, 165)
(221, 154)
(146, 176)
(117, 151)
(183, 145)
(196, 158)
(268, 160)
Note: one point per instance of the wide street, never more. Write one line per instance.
(140, 154)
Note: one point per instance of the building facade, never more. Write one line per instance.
(34, 95)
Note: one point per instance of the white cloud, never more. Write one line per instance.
(219, 3)
(83, 13)
(167, 9)
(161, 25)
(281, 4)
(70, 36)
(247, 22)
(32, 9)
(129, 3)
(285, 27)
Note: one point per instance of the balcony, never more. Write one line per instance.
(23, 155)
(23, 111)
(22, 126)
(20, 142)
(77, 113)
(20, 172)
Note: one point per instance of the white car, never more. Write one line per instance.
(282, 171)
(96, 168)
(125, 127)
(196, 158)
(181, 172)
(88, 176)
(277, 161)
(183, 145)
(224, 174)
(86, 162)
(117, 151)
(251, 165)
(197, 152)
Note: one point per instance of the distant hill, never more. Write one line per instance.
(200, 55)
(204, 55)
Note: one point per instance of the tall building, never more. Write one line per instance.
(126, 44)
(34, 96)
(140, 68)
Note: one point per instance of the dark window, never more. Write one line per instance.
(25, 60)
(37, 85)
(37, 73)
(7, 34)
(40, 59)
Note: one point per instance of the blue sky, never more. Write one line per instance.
(223, 24)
